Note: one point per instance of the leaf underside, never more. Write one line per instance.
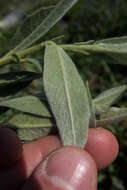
(112, 115)
(22, 120)
(54, 16)
(103, 101)
(67, 96)
(28, 104)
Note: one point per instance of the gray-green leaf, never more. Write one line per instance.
(107, 98)
(92, 108)
(30, 23)
(12, 82)
(112, 115)
(23, 120)
(33, 133)
(67, 96)
(116, 48)
(15, 77)
(28, 104)
(56, 14)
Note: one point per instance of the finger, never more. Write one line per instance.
(33, 153)
(65, 169)
(36, 151)
(10, 147)
(102, 146)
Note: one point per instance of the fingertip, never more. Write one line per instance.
(66, 168)
(34, 152)
(102, 145)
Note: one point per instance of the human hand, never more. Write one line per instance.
(45, 165)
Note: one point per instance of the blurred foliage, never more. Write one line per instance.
(88, 20)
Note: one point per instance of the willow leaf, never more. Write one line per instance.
(114, 40)
(29, 24)
(33, 133)
(116, 48)
(56, 14)
(28, 121)
(28, 104)
(113, 115)
(67, 96)
(32, 64)
(107, 98)
(12, 82)
(15, 77)
(92, 109)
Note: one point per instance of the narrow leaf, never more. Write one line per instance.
(28, 121)
(34, 65)
(114, 40)
(15, 77)
(12, 82)
(107, 98)
(113, 115)
(29, 24)
(115, 48)
(92, 109)
(28, 104)
(56, 14)
(67, 96)
(33, 133)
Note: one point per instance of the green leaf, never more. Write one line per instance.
(67, 96)
(32, 64)
(107, 98)
(33, 133)
(28, 104)
(92, 109)
(85, 43)
(114, 40)
(112, 115)
(31, 22)
(56, 14)
(15, 77)
(12, 82)
(23, 120)
(116, 48)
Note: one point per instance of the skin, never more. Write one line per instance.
(46, 165)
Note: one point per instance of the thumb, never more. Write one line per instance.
(68, 168)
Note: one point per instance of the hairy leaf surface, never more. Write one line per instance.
(12, 82)
(67, 96)
(23, 120)
(107, 98)
(33, 133)
(28, 104)
(113, 115)
(115, 48)
(56, 14)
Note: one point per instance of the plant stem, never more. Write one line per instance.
(11, 56)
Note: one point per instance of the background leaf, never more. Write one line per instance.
(112, 115)
(28, 104)
(58, 12)
(31, 22)
(67, 96)
(33, 133)
(115, 48)
(92, 108)
(107, 98)
(12, 82)
(22, 120)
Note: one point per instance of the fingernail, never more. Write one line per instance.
(68, 168)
